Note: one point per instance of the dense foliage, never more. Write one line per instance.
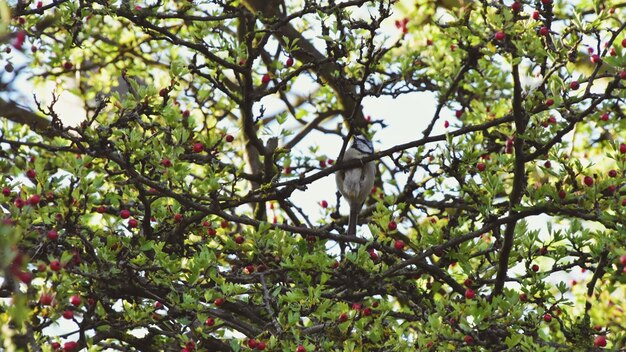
(164, 220)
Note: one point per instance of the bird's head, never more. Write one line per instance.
(362, 144)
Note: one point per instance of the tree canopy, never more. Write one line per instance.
(163, 217)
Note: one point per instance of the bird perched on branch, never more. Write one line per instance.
(355, 184)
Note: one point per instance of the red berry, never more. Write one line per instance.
(300, 348)
(367, 312)
(623, 43)
(101, 209)
(53, 235)
(45, 299)
(547, 164)
(612, 173)
(198, 147)
(70, 346)
(546, 2)
(124, 213)
(547, 317)
(31, 174)
(523, 297)
(468, 282)
(25, 276)
(178, 217)
(595, 58)
(211, 232)
(75, 300)
(612, 52)
(219, 302)
(68, 314)
(186, 113)
(239, 239)
(446, 124)
(252, 343)
(266, 78)
(55, 345)
(19, 203)
(209, 322)
(622, 148)
(622, 260)
(324, 204)
(574, 85)
(391, 225)
(229, 138)
(158, 305)
(34, 199)
(55, 265)
(535, 268)
(373, 255)
(480, 166)
(588, 180)
(132, 223)
(535, 15)
(468, 340)
(249, 269)
(470, 294)
(261, 346)
(6, 191)
(399, 244)
(605, 116)
(343, 317)
(516, 6)
(67, 65)
(549, 102)
(166, 162)
(544, 31)
(599, 341)
(500, 35)
(19, 40)
(289, 62)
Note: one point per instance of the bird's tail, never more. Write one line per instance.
(353, 220)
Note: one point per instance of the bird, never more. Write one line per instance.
(355, 184)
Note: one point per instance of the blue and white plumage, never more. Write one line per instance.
(355, 184)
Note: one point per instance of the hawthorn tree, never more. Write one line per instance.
(164, 220)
